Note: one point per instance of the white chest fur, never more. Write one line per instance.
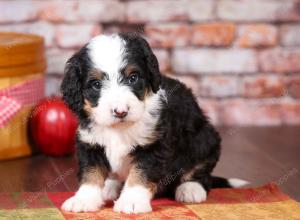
(117, 148)
(117, 144)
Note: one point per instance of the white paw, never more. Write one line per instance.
(133, 201)
(190, 192)
(87, 199)
(76, 204)
(111, 190)
(129, 206)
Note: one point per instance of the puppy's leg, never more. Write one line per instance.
(195, 185)
(89, 196)
(136, 194)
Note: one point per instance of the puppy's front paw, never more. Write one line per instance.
(190, 192)
(77, 204)
(129, 206)
(133, 201)
(87, 199)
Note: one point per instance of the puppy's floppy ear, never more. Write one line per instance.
(72, 84)
(152, 64)
(153, 67)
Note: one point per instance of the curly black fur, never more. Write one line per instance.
(187, 139)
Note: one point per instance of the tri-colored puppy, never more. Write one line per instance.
(140, 134)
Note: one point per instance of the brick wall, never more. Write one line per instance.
(240, 57)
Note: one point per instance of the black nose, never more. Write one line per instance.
(120, 114)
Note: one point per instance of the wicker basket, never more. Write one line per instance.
(22, 62)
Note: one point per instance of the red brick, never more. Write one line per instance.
(288, 11)
(258, 10)
(280, 60)
(41, 28)
(290, 113)
(167, 35)
(17, 11)
(163, 59)
(240, 112)
(293, 84)
(57, 11)
(200, 61)
(218, 86)
(74, 11)
(75, 35)
(290, 35)
(213, 34)
(56, 60)
(257, 35)
(200, 10)
(155, 10)
(211, 109)
(263, 87)
(168, 10)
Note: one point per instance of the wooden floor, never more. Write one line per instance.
(259, 155)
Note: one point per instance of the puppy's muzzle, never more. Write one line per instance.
(120, 113)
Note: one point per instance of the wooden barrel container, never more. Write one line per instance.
(22, 66)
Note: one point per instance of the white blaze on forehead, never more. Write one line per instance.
(107, 53)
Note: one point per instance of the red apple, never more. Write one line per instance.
(53, 127)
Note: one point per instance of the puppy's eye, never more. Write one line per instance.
(133, 78)
(96, 85)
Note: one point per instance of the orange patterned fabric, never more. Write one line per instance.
(266, 202)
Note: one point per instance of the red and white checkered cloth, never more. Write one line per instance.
(13, 98)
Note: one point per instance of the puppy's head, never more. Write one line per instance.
(110, 79)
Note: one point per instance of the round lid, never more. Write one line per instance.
(20, 49)
(34, 68)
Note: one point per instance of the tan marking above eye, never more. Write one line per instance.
(97, 74)
(130, 69)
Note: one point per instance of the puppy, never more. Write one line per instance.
(141, 134)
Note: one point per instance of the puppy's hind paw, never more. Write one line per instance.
(190, 192)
